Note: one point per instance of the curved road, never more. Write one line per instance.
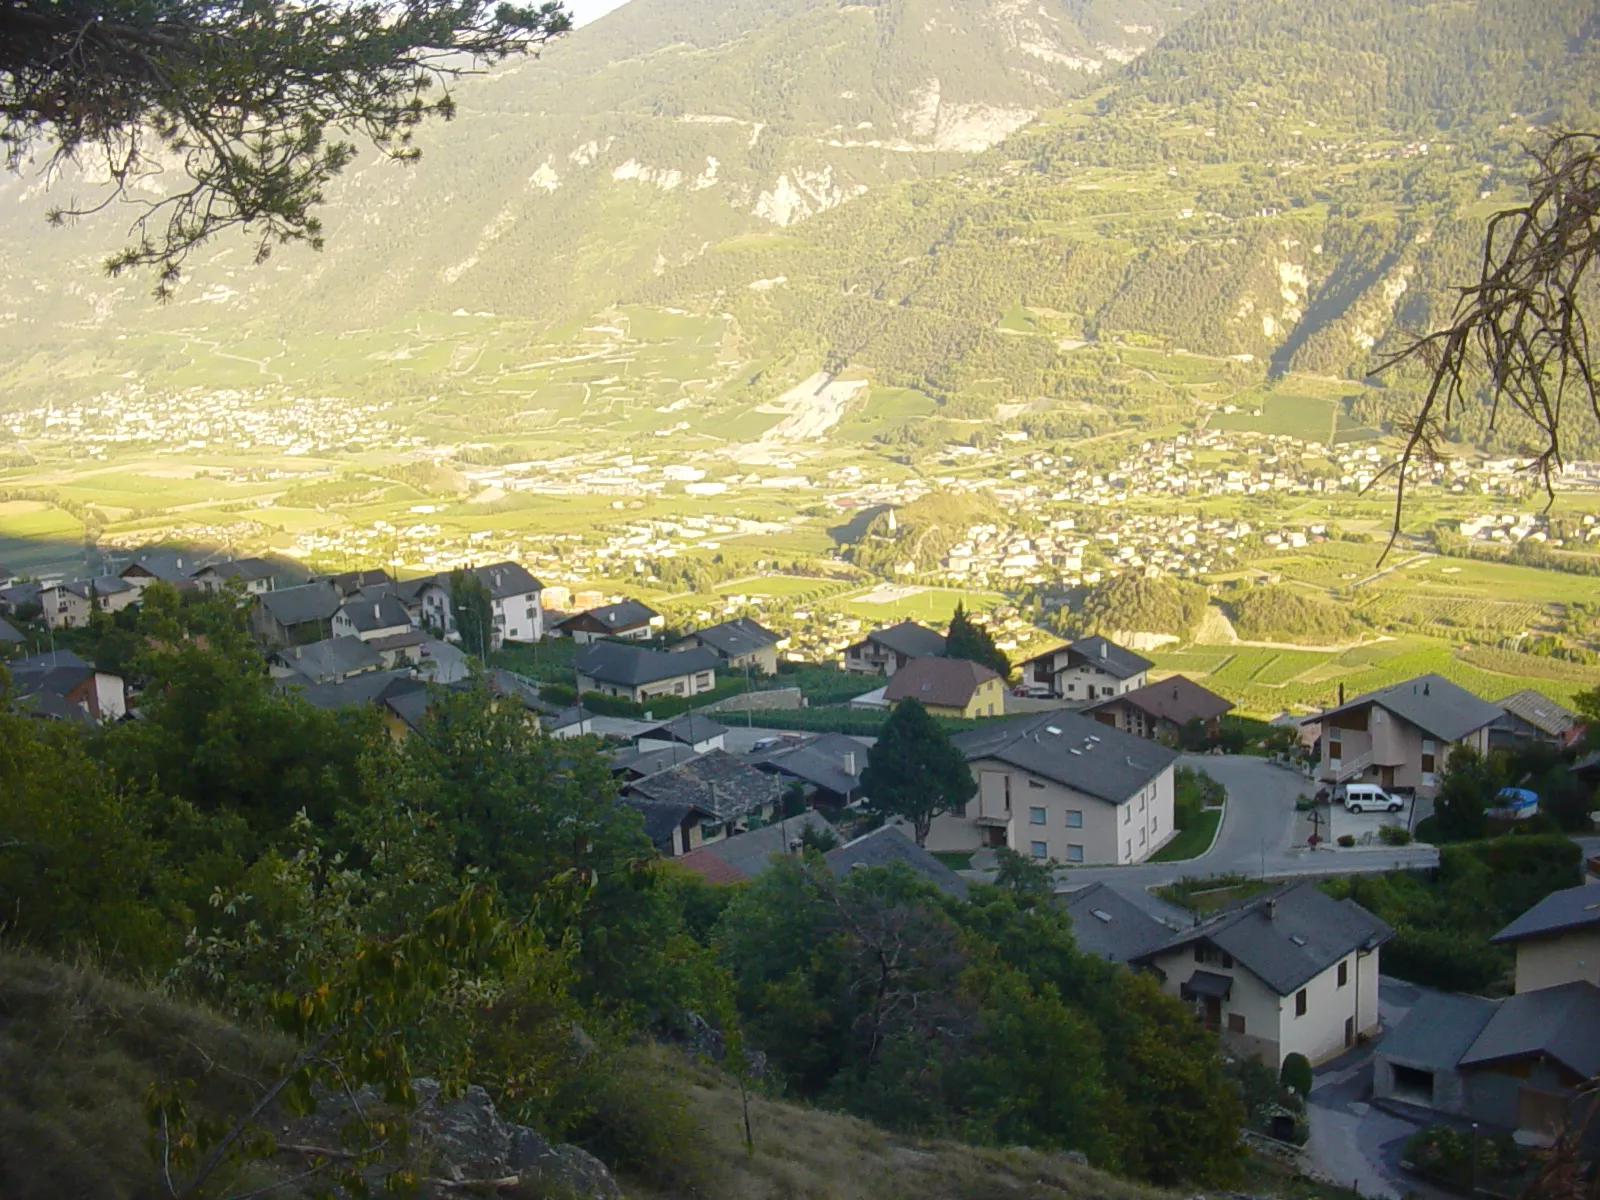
(1258, 829)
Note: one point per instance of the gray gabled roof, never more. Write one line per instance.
(942, 682)
(1073, 750)
(171, 566)
(716, 783)
(910, 639)
(690, 729)
(749, 854)
(617, 618)
(1108, 656)
(1571, 908)
(372, 687)
(1538, 710)
(1438, 1031)
(1286, 937)
(9, 635)
(505, 579)
(247, 569)
(369, 611)
(735, 638)
(301, 605)
(1111, 925)
(1177, 698)
(1432, 703)
(1560, 1022)
(821, 761)
(887, 845)
(637, 763)
(319, 661)
(630, 666)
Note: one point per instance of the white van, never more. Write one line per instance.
(1369, 797)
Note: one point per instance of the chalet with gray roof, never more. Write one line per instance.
(1557, 940)
(828, 766)
(19, 595)
(633, 672)
(331, 660)
(253, 575)
(371, 616)
(741, 644)
(691, 730)
(1162, 711)
(1514, 1065)
(56, 683)
(1290, 971)
(627, 619)
(1089, 669)
(1401, 737)
(703, 799)
(1531, 716)
(747, 855)
(1058, 785)
(292, 616)
(176, 567)
(10, 637)
(885, 651)
(515, 603)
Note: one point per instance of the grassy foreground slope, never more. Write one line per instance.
(77, 1053)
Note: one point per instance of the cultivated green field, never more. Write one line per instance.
(931, 606)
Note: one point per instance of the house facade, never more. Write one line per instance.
(253, 575)
(637, 674)
(885, 651)
(949, 687)
(1062, 786)
(627, 619)
(741, 644)
(514, 602)
(1557, 940)
(1091, 668)
(1401, 737)
(1293, 971)
(371, 617)
(1162, 711)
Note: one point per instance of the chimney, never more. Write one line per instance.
(1425, 688)
(376, 612)
(1104, 649)
(850, 762)
(1341, 695)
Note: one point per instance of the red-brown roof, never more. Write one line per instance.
(1178, 699)
(713, 869)
(946, 682)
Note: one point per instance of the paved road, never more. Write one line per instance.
(1257, 834)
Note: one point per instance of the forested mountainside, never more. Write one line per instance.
(1282, 183)
(624, 150)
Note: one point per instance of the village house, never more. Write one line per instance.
(164, 566)
(1163, 710)
(371, 617)
(332, 660)
(885, 651)
(637, 674)
(828, 767)
(696, 733)
(294, 616)
(11, 638)
(253, 575)
(949, 687)
(1291, 971)
(626, 619)
(60, 684)
(1530, 716)
(1091, 668)
(741, 644)
(702, 799)
(1557, 940)
(1061, 786)
(574, 721)
(1401, 736)
(1119, 923)
(513, 600)
(744, 856)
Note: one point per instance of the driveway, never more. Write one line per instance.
(1257, 835)
(1352, 1143)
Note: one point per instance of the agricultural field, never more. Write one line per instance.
(776, 586)
(888, 603)
(36, 536)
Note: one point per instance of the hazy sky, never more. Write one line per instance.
(584, 11)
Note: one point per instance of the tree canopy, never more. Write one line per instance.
(256, 101)
(970, 641)
(914, 772)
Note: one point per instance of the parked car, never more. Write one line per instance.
(1369, 797)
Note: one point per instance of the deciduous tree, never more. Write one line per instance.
(914, 772)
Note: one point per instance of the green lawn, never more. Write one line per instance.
(1193, 841)
(774, 585)
(1309, 418)
(931, 606)
(956, 860)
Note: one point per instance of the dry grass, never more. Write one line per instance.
(806, 1154)
(77, 1054)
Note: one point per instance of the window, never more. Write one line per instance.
(1154, 821)
(1127, 816)
(1199, 952)
(677, 689)
(1141, 801)
(1071, 687)
(1007, 785)
(1130, 847)
(1235, 1022)
(1141, 837)
(1300, 1003)
(1227, 960)
(1074, 818)
(1344, 973)
(1036, 783)
(1036, 816)
(1074, 853)
(1110, 691)
(1040, 850)
(961, 810)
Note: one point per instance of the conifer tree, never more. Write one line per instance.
(914, 772)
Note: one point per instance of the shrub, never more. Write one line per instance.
(1296, 1074)
(559, 693)
(1347, 840)
(1394, 835)
(640, 1124)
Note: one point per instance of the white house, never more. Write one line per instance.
(637, 674)
(1289, 971)
(371, 616)
(1062, 786)
(514, 598)
(1091, 668)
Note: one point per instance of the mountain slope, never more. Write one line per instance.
(667, 125)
